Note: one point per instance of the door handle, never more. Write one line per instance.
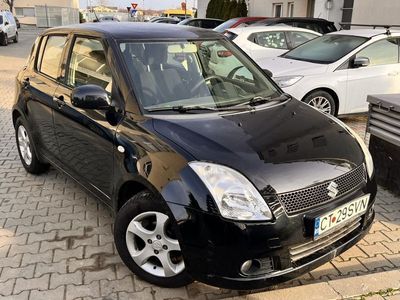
(59, 100)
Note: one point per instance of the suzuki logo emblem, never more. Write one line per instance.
(332, 189)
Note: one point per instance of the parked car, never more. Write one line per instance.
(106, 19)
(227, 181)
(336, 72)
(263, 42)
(202, 23)
(165, 20)
(237, 22)
(315, 24)
(17, 22)
(8, 28)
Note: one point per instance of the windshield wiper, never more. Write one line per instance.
(181, 108)
(184, 109)
(257, 100)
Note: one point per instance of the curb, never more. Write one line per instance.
(334, 289)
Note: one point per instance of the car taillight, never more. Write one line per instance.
(224, 53)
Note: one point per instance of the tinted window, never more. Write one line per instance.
(52, 55)
(381, 53)
(275, 39)
(1, 20)
(297, 38)
(326, 49)
(88, 64)
(310, 26)
(226, 25)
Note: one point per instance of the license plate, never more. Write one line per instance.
(334, 219)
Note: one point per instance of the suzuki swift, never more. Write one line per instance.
(218, 178)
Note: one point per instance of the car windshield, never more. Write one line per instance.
(212, 74)
(326, 49)
(226, 25)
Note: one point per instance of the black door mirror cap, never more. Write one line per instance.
(90, 96)
(268, 72)
(6, 23)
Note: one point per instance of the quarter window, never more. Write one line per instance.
(51, 57)
(274, 40)
(297, 38)
(88, 64)
(383, 52)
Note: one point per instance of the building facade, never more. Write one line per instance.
(337, 11)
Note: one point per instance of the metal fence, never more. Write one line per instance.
(51, 16)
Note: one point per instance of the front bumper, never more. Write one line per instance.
(214, 248)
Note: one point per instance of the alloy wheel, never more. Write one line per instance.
(152, 245)
(24, 145)
(321, 103)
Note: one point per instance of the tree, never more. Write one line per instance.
(10, 4)
(227, 9)
(243, 9)
(211, 9)
(234, 11)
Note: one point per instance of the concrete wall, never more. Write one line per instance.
(376, 12)
(202, 8)
(31, 20)
(264, 8)
(333, 14)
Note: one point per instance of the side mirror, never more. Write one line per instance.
(6, 23)
(90, 96)
(268, 72)
(359, 62)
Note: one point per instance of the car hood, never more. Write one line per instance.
(286, 147)
(280, 66)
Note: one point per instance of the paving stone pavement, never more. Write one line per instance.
(56, 241)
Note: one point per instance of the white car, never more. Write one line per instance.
(337, 71)
(8, 28)
(269, 41)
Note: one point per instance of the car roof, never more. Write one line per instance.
(252, 29)
(138, 30)
(300, 19)
(368, 33)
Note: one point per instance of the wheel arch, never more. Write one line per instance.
(328, 90)
(15, 115)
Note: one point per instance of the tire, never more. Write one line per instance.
(4, 41)
(321, 100)
(15, 40)
(27, 152)
(148, 216)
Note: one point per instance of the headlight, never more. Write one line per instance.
(236, 197)
(369, 163)
(286, 81)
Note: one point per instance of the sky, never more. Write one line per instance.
(147, 4)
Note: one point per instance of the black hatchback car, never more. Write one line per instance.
(316, 24)
(212, 177)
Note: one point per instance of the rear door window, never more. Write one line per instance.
(52, 55)
(297, 38)
(274, 39)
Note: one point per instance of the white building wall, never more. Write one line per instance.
(264, 8)
(376, 12)
(202, 8)
(332, 12)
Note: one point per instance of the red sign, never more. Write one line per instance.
(134, 5)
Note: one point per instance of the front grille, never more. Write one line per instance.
(303, 250)
(299, 200)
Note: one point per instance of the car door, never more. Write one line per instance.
(86, 136)
(11, 27)
(40, 85)
(381, 76)
(267, 44)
